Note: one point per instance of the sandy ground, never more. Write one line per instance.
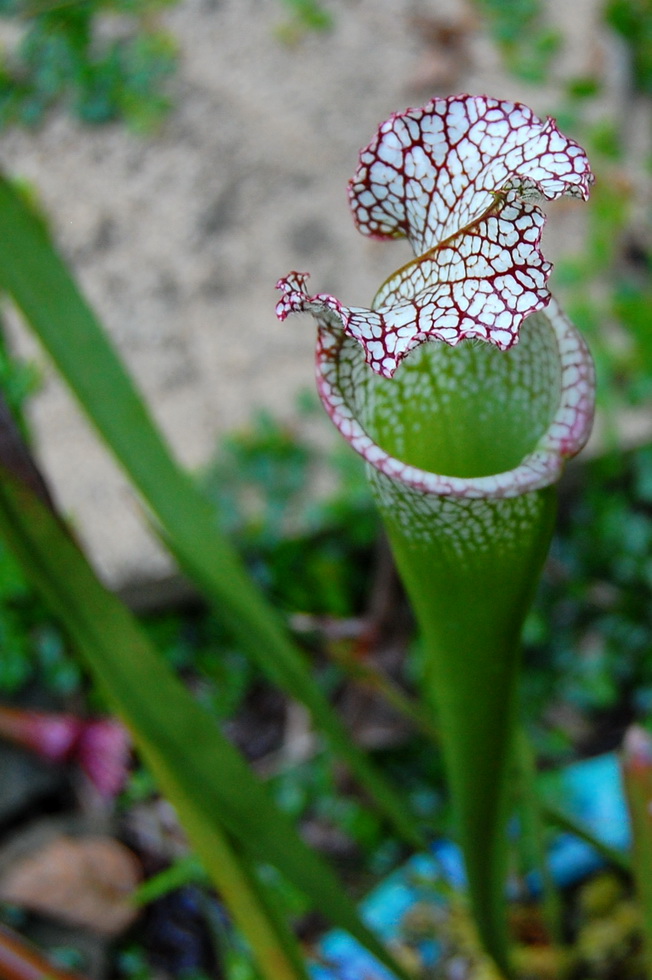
(179, 239)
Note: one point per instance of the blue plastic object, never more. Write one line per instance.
(590, 792)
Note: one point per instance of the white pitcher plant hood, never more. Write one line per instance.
(461, 179)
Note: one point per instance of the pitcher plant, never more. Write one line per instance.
(465, 389)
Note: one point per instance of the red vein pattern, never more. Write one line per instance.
(458, 178)
(431, 172)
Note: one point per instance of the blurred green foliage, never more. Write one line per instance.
(32, 646)
(102, 60)
(607, 288)
(309, 15)
(528, 45)
(198, 647)
(18, 381)
(633, 21)
(589, 636)
(309, 551)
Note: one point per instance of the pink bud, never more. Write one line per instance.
(99, 746)
(102, 752)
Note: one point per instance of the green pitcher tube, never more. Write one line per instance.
(470, 565)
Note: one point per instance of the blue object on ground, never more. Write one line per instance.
(590, 792)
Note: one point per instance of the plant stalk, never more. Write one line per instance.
(470, 601)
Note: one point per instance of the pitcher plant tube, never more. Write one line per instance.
(465, 389)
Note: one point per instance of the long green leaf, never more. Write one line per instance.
(569, 823)
(196, 766)
(39, 283)
(251, 906)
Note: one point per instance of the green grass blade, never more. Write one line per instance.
(569, 823)
(217, 796)
(272, 943)
(184, 871)
(532, 837)
(41, 286)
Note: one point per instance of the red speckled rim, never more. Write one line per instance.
(565, 437)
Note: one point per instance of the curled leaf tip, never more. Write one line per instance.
(430, 172)
(460, 178)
